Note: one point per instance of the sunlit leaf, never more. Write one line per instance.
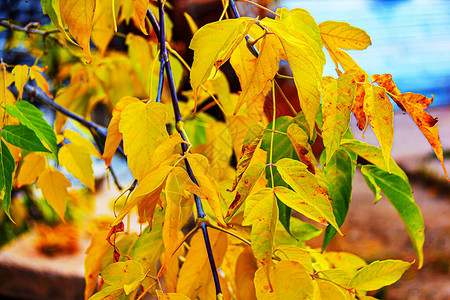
(378, 274)
(40, 79)
(138, 17)
(20, 73)
(245, 186)
(374, 155)
(285, 281)
(32, 165)
(380, 111)
(261, 212)
(147, 186)
(398, 191)
(78, 16)
(251, 142)
(144, 128)
(299, 139)
(81, 141)
(209, 53)
(415, 105)
(32, 117)
(124, 274)
(195, 273)
(77, 161)
(246, 267)
(23, 137)
(306, 68)
(293, 253)
(53, 185)
(264, 71)
(307, 187)
(92, 263)
(170, 296)
(337, 103)
(114, 136)
(329, 290)
(205, 179)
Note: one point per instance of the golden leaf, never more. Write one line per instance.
(31, 167)
(77, 161)
(54, 186)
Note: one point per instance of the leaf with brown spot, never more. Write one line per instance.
(358, 105)
(251, 142)
(307, 186)
(415, 105)
(337, 103)
(261, 212)
(380, 112)
(245, 186)
(299, 140)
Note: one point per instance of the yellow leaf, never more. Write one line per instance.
(263, 72)
(103, 23)
(299, 140)
(176, 183)
(329, 290)
(380, 112)
(139, 13)
(337, 103)
(20, 73)
(306, 68)
(344, 36)
(54, 186)
(288, 280)
(378, 274)
(166, 150)
(170, 296)
(293, 253)
(195, 273)
(148, 185)
(114, 137)
(340, 35)
(192, 25)
(40, 79)
(308, 188)
(415, 105)
(346, 261)
(144, 128)
(246, 267)
(78, 162)
(210, 52)
(31, 167)
(78, 16)
(250, 144)
(83, 142)
(261, 211)
(205, 179)
(303, 26)
(218, 149)
(92, 263)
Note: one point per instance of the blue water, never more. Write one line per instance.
(410, 40)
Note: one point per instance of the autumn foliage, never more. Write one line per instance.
(179, 155)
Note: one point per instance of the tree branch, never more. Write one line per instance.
(160, 33)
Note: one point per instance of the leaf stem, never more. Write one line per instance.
(160, 32)
(272, 133)
(230, 233)
(260, 7)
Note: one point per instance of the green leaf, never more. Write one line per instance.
(32, 118)
(283, 149)
(370, 181)
(398, 191)
(308, 189)
(378, 274)
(7, 166)
(213, 45)
(339, 173)
(373, 155)
(145, 255)
(23, 137)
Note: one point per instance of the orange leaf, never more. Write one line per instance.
(78, 16)
(114, 136)
(92, 263)
(415, 105)
(138, 17)
(31, 167)
(54, 186)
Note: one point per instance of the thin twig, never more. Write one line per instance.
(160, 33)
(260, 7)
